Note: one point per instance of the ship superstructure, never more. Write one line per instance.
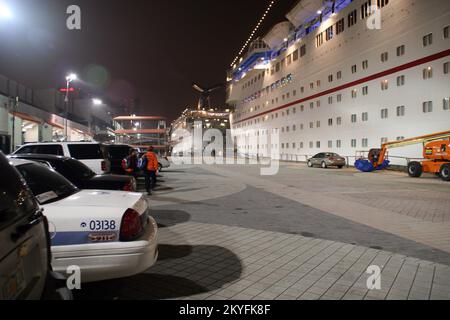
(345, 76)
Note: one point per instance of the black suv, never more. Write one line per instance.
(114, 155)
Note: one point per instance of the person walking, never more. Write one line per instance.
(150, 170)
(130, 163)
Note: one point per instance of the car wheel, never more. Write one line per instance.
(415, 169)
(310, 164)
(340, 167)
(444, 172)
(324, 165)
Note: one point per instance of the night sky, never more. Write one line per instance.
(149, 50)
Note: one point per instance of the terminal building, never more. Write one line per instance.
(28, 115)
(142, 132)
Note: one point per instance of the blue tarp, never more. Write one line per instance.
(366, 166)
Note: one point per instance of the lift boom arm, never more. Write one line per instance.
(411, 141)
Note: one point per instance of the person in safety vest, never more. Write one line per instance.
(150, 170)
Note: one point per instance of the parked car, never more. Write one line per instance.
(24, 253)
(163, 162)
(25, 270)
(327, 159)
(90, 153)
(108, 234)
(81, 175)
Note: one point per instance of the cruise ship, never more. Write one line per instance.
(182, 129)
(345, 76)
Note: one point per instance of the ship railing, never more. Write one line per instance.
(303, 158)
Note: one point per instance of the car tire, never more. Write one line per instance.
(324, 165)
(340, 167)
(415, 169)
(310, 165)
(444, 172)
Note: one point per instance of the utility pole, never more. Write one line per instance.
(70, 78)
(66, 100)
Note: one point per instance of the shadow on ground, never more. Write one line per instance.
(181, 271)
(167, 252)
(169, 218)
(257, 209)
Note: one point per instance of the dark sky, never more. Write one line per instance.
(150, 50)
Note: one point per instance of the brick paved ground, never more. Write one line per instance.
(206, 261)
(228, 233)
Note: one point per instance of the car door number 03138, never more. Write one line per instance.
(102, 225)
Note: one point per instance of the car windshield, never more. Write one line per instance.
(85, 151)
(117, 152)
(47, 185)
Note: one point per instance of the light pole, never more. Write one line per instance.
(97, 103)
(70, 78)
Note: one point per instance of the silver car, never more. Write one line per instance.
(327, 159)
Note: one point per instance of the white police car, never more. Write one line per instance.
(107, 234)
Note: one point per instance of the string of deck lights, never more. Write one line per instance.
(254, 31)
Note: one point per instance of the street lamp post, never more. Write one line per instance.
(96, 102)
(70, 78)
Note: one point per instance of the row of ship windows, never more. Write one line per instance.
(427, 107)
(427, 41)
(301, 52)
(353, 143)
(366, 11)
(427, 73)
(338, 143)
(354, 69)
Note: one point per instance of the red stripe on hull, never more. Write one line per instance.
(382, 74)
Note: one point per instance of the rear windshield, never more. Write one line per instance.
(79, 168)
(47, 185)
(15, 199)
(117, 152)
(73, 170)
(85, 151)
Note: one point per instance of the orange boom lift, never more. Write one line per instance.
(436, 151)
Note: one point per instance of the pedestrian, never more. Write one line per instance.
(130, 163)
(134, 162)
(150, 170)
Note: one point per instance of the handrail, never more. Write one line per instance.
(286, 157)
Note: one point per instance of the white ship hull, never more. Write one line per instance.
(359, 121)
